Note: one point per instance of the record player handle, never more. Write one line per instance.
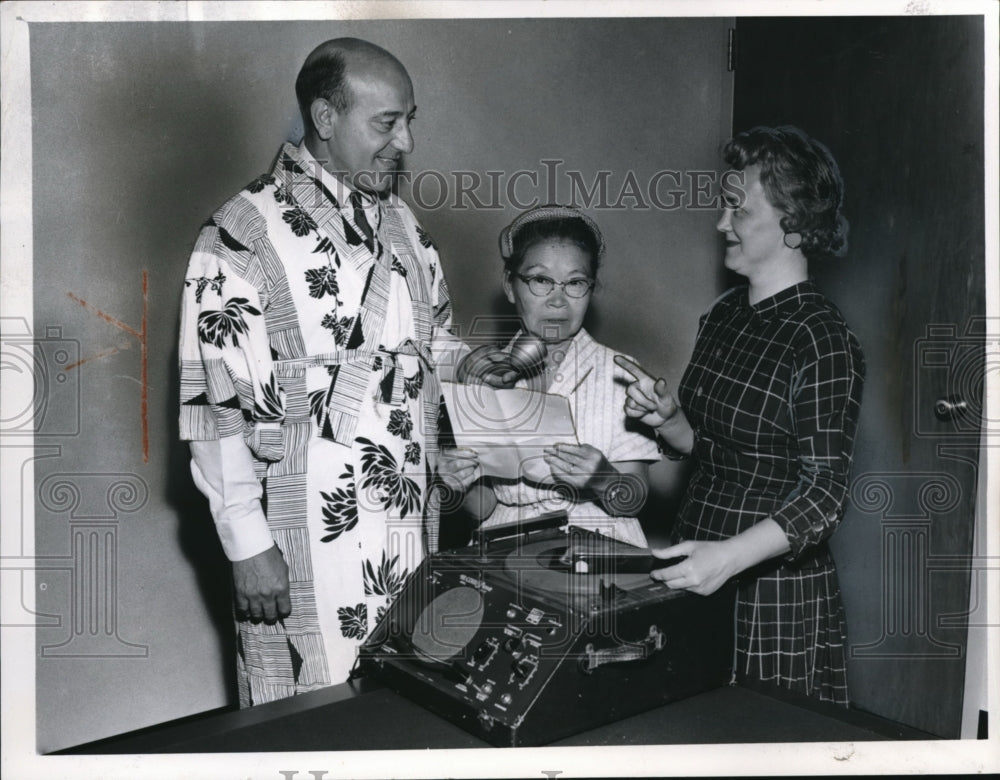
(518, 527)
(626, 651)
(592, 562)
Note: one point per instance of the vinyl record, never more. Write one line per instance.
(539, 566)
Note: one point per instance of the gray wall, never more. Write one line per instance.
(141, 130)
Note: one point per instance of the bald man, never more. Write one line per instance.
(308, 390)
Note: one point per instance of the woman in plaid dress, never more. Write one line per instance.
(768, 409)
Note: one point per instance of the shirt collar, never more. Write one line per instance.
(340, 189)
(782, 302)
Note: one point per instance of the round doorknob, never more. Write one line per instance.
(950, 407)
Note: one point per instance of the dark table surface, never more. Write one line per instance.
(341, 718)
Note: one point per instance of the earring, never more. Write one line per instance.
(796, 237)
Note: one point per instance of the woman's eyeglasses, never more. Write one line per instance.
(542, 285)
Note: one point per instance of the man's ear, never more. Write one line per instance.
(324, 118)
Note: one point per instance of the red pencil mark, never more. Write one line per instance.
(143, 356)
(106, 353)
(108, 317)
(141, 336)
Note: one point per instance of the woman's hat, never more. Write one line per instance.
(541, 214)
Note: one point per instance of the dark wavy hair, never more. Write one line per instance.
(801, 179)
(571, 230)
(322, 77)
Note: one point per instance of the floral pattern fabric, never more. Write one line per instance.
(290, 338)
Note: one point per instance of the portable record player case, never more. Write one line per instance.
(505, 640)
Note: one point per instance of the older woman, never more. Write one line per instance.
(551, 255)
(767, 409)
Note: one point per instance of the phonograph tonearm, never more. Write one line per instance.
(535, 633)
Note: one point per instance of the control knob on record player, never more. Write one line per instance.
(482, 652)
(512, 643)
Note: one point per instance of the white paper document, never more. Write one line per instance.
(508, 429)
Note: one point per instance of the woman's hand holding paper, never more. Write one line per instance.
(579, 465)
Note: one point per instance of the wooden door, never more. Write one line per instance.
(899, 101)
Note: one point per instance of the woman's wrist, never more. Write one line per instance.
(668, 417)
(669, 420)
(760, 542)
(677, 434)
(479, 500)
(611, 499)
(736, 560)
(621, 494)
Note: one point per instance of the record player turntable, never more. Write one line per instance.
(535, 633)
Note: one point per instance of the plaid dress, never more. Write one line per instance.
(773, 392)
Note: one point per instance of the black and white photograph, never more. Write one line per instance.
(503, 389)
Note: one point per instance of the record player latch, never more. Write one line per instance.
(636, 651)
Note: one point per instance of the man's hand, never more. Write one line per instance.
(458, 469)
(649, 400)
(260, 587)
